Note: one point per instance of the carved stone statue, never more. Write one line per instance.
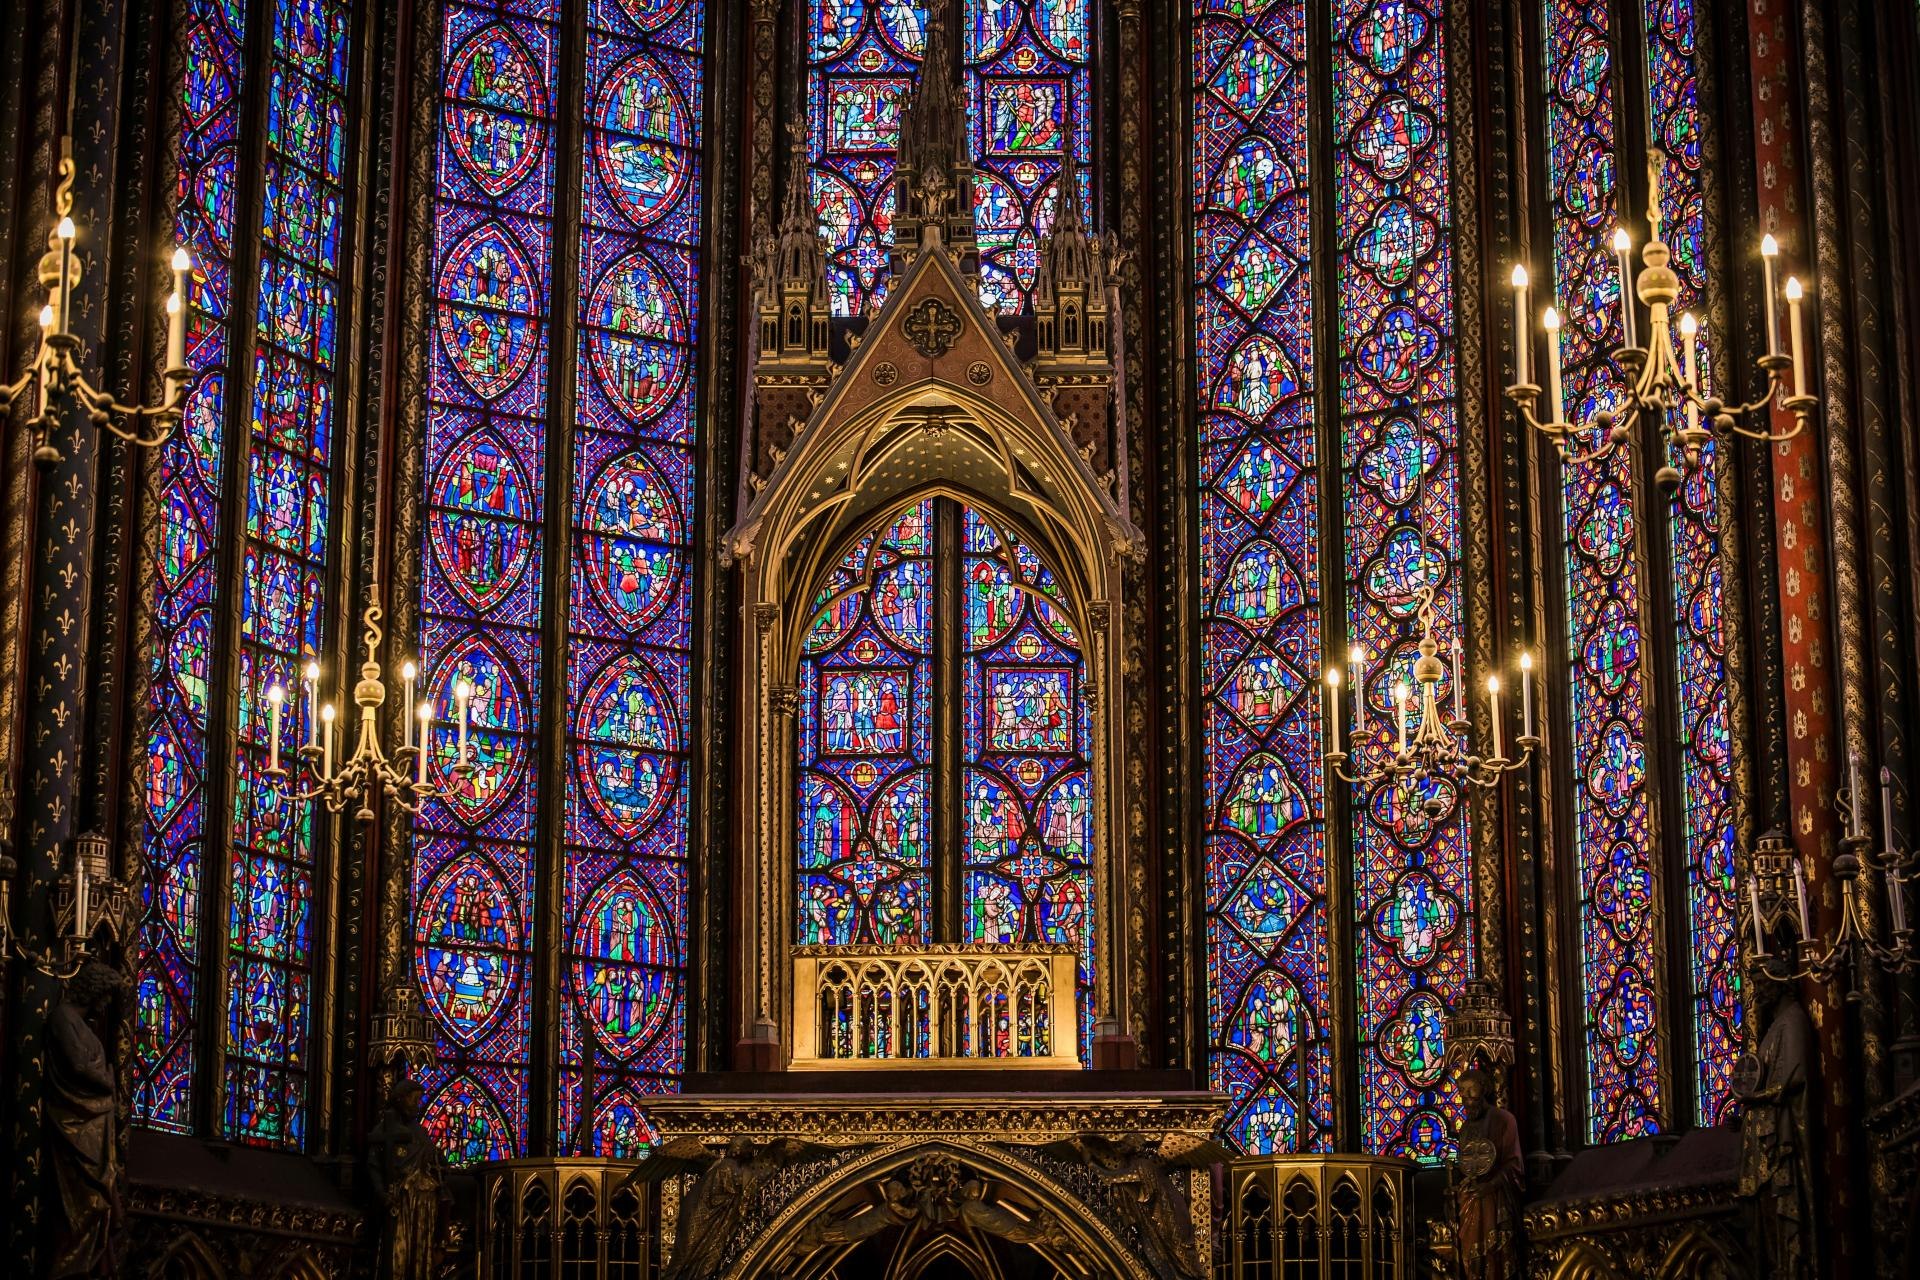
(714, 1210)
(1775, 1151)
(408, 1173)
(935, 1193)
(82, 1108)
(1490, 1178)
(1146, 1193)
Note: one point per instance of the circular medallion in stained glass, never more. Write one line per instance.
(486, 310)
(641, 146)
(625, 728)
(496, 739)
(632, 527)
(494, 117)
(651, 15)
(477, 519)
(633, 340)
(905, 26)
(625, 957)
(468, 1124)
(467, 946)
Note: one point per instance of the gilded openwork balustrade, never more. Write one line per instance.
(934, 1006)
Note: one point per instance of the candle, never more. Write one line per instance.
(1459, 686)
(1886, 809)
(426, 731)
(1357, 658)
(1333, 707)
(1622, 248)
(326, 741)
(1690, 370)
(407, 673)
(1522, 336)
(1769, 250)
(1897, 902)
(1797, 333)
(463, 698)
(1526, 695)
(79, 896)
(1800, 897)
(1400, 693)
(1493, 697)
(66, 232)
(1856, 798)
(275, 696)
(313, 712)
(1550, 321)
(177, 312)
(1759, 922)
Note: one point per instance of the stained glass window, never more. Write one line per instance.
(1612, 827)
(1269, 997)
(282, 559)
(1700, 646)
(1400, 454)
(630, 620)
(170, 996)
(1028, 102)
(490, 588)
(866, 743)
(475, 878)
(871, 690)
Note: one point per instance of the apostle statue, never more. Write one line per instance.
(82, 1110)
(1490, 1177)
(408, 1173)
(1775, 1153)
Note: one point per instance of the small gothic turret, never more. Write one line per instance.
(1070, 292)
(933, 174)
(791, 281)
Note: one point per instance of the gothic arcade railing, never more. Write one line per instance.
(935, 1006)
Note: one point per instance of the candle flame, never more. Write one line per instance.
(1769, 247)
(1519, 276)
(1793, 288)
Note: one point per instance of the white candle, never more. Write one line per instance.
(326, 741)
(1522, 333)
(1400, 694)
(1886, 809)
(407, 673)
(66, 232)
(176, 332)
(1690, 368)
(1897, 902)
(1769, 250)
(1526, 694)
(313, 709)
(426, 732)
(1797, 332)
(1333, 707)
(1493, 697)
(1459, 686)
(1856, 797)
(1622, 249)
(79, 896)
(463, 698)
(1550, 321)
(275, 697)
(1357, 658)
(1800, 897)
(1759, 923)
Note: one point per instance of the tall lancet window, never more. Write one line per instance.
(577, 665)
(226, 984)
(1631, 1027)
(1277, 411)
(942, 616)
(1028, 66)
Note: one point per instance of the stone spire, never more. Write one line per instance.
(933, 172)
(1070, 289)
(790, 280)
(801, 258)
(1069, 257)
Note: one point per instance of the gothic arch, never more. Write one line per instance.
(931, 401)
(188, 1258)
(767, 1255)
(1584, 1262)
(1699, 1255)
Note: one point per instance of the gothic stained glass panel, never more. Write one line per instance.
(1400, 451)
(1269, 996)
(284, 557)
(474, 876)
(865, 736)
(862, 59)
(169, 995)
(1612, 824)
(629, 651)
(1026, 811)
(1029, 99)
(1694, 535)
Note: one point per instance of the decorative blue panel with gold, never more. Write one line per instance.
(1029, 103)
(169, 979)
(863, 57)
(630, 617)
(475, 880)
(1269, 994)
(866, 697)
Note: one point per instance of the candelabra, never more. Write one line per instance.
(1817, 954)
(1429, 745)
(1662, 384)
(86, 898)
(370, 769)
(55, 369)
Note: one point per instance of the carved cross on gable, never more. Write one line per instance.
(931, 326)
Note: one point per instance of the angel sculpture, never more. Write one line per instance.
(1146, 1193)
(716, 1207)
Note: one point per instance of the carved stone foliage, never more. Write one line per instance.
(1658, 1233)
(183, 1232)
